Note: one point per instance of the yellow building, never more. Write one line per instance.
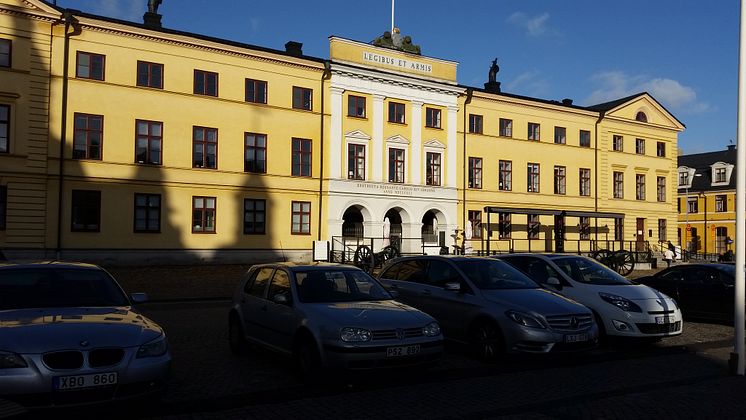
(707, 202)
(179, 147)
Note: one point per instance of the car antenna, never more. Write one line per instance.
(283, 253)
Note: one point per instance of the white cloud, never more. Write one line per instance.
(529, 83)
(131, 10)
(535, 26)
(617, 84)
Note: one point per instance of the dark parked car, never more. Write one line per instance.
(490, 305)
(702, 290)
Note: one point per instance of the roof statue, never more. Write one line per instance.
(395, 41)
(493, 71)
(153, 5)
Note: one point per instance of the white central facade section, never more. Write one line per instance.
(421, 205)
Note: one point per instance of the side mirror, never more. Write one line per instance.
(280, 299)
(554, 282)
(139, 297)
(452, 286)
(394, 294)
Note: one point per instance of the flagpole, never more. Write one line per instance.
(741, 200)
(392, 16)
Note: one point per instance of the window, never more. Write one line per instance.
(640, 146)
(560, 135)
(660, 149)
(585, 227)
(356, 106)
(560, 177)
(301, 222)
(254, 216)
(504, 227)
(721, 203)
(302, 98)
(534, 131)
(618, 185)
(475, 124)
(533, 177)
(86, 211)
(683, 178)
(475, 220)
(256, 91)
(641, 117)
(147, 213)
(661, 186)
(205, 83)
(692, 205)
(505, 177)
(475, 173)
(720, 175)
(5, 53)
(396, 112)
(148, 142)
(640, 186)
(301, 157)
(662, 227)
(255, 153)
(506, 128)
(585, 182)
(618, 143)
(205, 142)
(432, 176)
(533, 226)
(4, 128)
(585, 138)
(149, 75)
(258, 285)
(3, 206)
(356, 161)
(618, 229)
(678, 205)
(432, 118)
(203, 214)
(90, 66)
(280, 285)
(396, 165)
(88, 136)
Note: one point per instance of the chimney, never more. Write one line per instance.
(152, 20)
(567, 102)
(731, 147)
(294, 48)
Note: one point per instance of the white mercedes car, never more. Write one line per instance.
(622, 308)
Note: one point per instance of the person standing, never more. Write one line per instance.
(672, 248)
(668, 256)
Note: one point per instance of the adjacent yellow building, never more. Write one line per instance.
(177, 147)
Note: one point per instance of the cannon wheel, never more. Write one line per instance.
(624, 262)
(389, 252)
(364, 258)
(602, 256)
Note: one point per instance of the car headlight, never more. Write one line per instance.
(620, 302)
(525, 319)
(155, 348)
(431, 330)
(350, 334)
(11, 360)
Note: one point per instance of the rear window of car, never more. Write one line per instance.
(489, 274)
(23, 288)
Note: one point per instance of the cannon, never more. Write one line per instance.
(367, 260)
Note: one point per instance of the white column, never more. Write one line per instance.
(415, 151)
(451, 164)
(740, 292)
(335, 136)
(377, 144)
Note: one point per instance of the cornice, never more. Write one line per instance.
(396, 80)
(526, 103)
(29, 13)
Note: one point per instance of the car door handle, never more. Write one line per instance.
(393, 286)
(426, 293)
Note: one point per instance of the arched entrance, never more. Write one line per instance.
(429, 227)
(352, 223)
(395, 227)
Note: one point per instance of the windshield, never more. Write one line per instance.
(23, 288)
(338, 286)
(489, 274)
(588, 271)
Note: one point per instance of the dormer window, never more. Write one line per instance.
(641, 117)
(721, 173)
(686, 176)
(683, 179)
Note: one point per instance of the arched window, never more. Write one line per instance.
(641, 117)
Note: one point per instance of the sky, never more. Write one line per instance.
(683, 52)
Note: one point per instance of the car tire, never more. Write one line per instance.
(236, 337)
(486, 341)
(307, 359)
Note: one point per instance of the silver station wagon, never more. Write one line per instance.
(332, 316)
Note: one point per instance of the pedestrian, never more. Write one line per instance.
(672, 248)
(668, 256)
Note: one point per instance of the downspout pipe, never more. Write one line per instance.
(595, 172)
(469, 95)
(326, 75)
(70, 21)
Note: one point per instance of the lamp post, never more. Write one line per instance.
(686, 229)
(704, 230)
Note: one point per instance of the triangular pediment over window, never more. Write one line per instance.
(33, 7)
(357, 135)
(435, 144)
(397, 139)
(641, 108)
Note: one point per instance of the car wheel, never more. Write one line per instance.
(308, 360)
(486, 341)
(236, 337)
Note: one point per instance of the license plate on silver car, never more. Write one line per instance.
(402, 351)
(63, 383)
(663, 319)
(576, 338)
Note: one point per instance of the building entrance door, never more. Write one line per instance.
(640, 235)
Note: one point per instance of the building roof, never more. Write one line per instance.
(702, 162)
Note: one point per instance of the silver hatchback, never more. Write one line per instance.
(328, 315)
(490, 305)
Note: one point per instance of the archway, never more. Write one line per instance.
(352, 223)
(429, 227)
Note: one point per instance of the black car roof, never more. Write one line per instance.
(296, 266)
(48, 264)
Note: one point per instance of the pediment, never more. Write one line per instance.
(655, 112)
(435, 144)
(31, 6)
(397, 139)
(357, 135)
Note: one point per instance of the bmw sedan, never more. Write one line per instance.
(69, 335)
(622, 308)
(329, 316)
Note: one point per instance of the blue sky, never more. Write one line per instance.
(684, 52)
